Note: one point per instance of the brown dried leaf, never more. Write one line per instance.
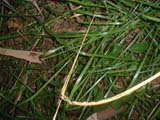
(106, 114)
(31, 56)
(13, 23)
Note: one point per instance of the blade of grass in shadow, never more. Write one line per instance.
(9, 36)
(44, 86)
(151, 18)
(88, 13)
(92, 87)
(140, 67)
(154, 113)
(1, 18)
(112, 83)
(150, 4)
(9, 6)
(4, 97)
(89, 4)
(79, 80)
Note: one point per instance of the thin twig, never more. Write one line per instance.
(71, 70)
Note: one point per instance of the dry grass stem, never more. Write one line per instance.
(71, 70)
(116, 97)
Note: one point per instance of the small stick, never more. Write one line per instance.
(71, 70)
